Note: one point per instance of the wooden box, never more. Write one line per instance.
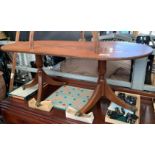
(113, 121)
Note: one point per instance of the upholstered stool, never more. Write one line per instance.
(69, 96)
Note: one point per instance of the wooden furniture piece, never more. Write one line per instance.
(17, 111)
(138, 102)
(101, 51)
(2, 87)
(13, 69)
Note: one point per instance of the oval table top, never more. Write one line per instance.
(109, 50)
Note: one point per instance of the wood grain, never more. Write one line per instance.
(13, 69)
(107, 51)
(17, 111)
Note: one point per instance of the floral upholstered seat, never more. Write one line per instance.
(75, 97)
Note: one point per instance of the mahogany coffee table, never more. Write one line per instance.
(107, 51)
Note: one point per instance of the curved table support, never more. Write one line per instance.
(103, 90)
(40, 78)
(32, 83)
(72, 49)
(93, 100)
(110, 95)
(50, 80)
(40, 87)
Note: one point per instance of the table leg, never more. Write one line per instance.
(93, 100)
(33, 82)
(50, 80)
(40, 87)
(110, 95)
(103, 90)
(39, 65)
(40, 78)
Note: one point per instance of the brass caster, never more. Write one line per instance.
(38, 104)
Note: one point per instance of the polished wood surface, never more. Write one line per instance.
(101, 51)
(19, 113)
(107, 51)
(103, 90)
(13, 69)
(42, 79)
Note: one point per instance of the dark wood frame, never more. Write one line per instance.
(17, 111)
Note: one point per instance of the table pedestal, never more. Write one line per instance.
(41, 78)
(102, 88)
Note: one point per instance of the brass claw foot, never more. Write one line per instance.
(78, 113)
(38, 104)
